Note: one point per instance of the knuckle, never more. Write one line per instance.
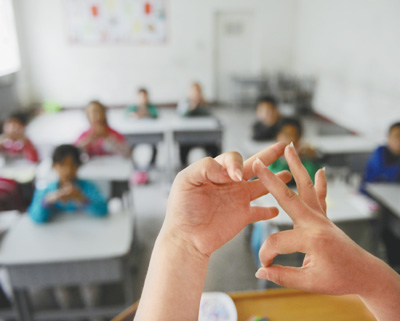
(272, 241)
(289, 194)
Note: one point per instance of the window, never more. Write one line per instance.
(9, 52)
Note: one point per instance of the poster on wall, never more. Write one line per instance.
(116, 21)
(9, 51)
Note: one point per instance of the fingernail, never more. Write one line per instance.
(239, 174)
(291, 145)
(261, 274)
(324, 169)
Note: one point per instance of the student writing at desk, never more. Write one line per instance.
(384, 166)
(100, 139)
(212, 192)
(195, 106)
(267, 125)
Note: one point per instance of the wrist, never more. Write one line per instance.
(381, 281)
(177, 243)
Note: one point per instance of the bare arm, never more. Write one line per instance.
(203, 198)
(333, 264)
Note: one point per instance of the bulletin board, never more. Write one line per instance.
(116, 21)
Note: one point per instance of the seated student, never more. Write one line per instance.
(212, 192)
(195, 106)
(144, 109)
(384, 166)
(100, 139)
(13, 141)
(68, 194)
(267, 125)
(290, 131)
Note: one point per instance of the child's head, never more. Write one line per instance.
(96, 113)
(290, 130)
(142, 97)
(267, 112)
(393, 142)
(14, 126)
(66, 162)
(196, 93)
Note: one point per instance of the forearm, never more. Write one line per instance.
(174, 282)
(383, 298)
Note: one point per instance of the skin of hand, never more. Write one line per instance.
(333, 264)
(208, 205)
(211, 193)
(66, 193)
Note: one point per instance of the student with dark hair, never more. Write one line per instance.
(290, 130)
(13, 141)
(268, 116)
(195, 106)
(143, 108)
(100, 139)
(384, 166)
(68, 194)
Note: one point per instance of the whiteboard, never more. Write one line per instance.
(116, 21)
(9, 51)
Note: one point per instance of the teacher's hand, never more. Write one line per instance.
(210, 200)
(333, 264)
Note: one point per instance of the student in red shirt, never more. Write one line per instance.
(100, 139)
(13, 141)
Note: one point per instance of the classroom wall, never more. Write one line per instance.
(73, 74)
(353, 48)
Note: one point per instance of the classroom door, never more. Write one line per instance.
(234, 50)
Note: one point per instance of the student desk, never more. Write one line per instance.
(344, 204)
(289, 305)
(71, 250)
(103, 168)
(20, 170)
(388, 195)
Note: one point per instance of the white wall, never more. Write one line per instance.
(353, 48)
(73, 74)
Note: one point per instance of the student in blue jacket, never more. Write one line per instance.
(69, 194)
(384, 164)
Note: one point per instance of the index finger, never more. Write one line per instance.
(267, 156)
(286, 198)
(233, 162)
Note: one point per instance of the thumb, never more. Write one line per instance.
(287, 276)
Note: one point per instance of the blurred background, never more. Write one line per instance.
(328, 70)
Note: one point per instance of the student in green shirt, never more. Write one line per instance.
(291, 131)
(143, 108)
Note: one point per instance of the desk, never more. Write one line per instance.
(386, 194)
(344, 204)
(72, 249)
(342, 144)
(20, 170)
(289, 305)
